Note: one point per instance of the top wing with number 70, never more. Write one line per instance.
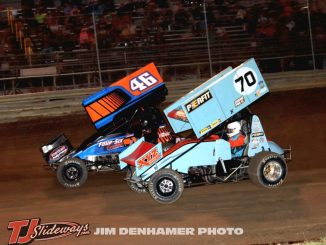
(217, 100)
(143, 87)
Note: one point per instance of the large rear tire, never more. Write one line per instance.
(136, 187)
(267, 169)
(166, 186)
(72, 173)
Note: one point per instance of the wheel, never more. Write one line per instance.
(72, 173)
(166, 186)
(136, 187)
(267, 169)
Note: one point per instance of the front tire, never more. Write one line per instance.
(267, 169)
(166, 186)
(72, 173)
(136, 187)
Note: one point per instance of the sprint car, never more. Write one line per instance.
(121, 113)
(205, 155)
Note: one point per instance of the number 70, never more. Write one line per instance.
(248, 77)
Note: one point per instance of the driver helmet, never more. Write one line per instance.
(233, 129)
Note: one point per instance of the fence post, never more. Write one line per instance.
(198, 71)
(97, 51)
(311, 40)
(208, 42)
(55, 82)
(89, 80)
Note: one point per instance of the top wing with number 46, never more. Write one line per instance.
(144, 87)
(218, 99)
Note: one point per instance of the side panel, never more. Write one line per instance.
(110, 144)
(258, 141)
(143, 85)
(222, 150)
(148, 159)
(128, 151)
(200, 155)
(176, 114)
(275, 148)
(217, 100)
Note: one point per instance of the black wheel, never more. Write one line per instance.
(72, 173)
(166, 186)
(136, 187)
(267, 169)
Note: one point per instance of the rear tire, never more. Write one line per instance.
(166, 186)
(136, 187)
(72, 173)
(267, 169)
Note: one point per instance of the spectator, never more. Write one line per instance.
(84, 38)
(40, 16)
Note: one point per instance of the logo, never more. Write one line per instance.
(142, 82)
(212, 125)
(239, 101)
(58, 152)
(200, 100)
(178, 114)
(257, 134)
(26, 231)
(110, 143)
(149, 158)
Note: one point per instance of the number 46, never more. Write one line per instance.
(142, 82)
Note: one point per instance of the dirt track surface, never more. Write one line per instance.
(294, 212)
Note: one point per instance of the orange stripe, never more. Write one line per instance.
(112, 102)
(93, 115)
(118, 99)
(113, 97)
(99, 109)
(108, 102)
(106, 105)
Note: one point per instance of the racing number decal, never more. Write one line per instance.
(245, 81)
(142, 82)
(248, 77)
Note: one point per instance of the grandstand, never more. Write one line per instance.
(46, 45)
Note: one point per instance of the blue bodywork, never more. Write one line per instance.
(204, 109)
(104, 146)
(130, 101)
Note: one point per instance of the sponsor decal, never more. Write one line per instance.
(212, 125)
(239, 101)
(204, 130)
(254, 143)
(258, 134)
(178, 114)
(58, 152)
(198, 101)
(260, 91)
(111, 144)
(28, 230)
(149, 158)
